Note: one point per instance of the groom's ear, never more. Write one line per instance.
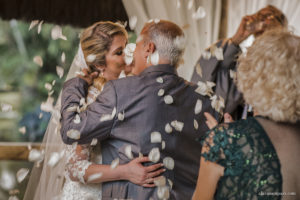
(150, 48)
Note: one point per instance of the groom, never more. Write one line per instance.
(154, 113)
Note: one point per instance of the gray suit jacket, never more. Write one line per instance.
(145, 112)
(218, 71)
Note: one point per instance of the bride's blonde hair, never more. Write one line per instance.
(96, 41)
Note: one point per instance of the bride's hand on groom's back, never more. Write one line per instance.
(142, 175)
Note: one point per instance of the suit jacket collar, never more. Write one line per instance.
(167, 68)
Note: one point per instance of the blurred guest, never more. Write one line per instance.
(258, 158)
(221, 70)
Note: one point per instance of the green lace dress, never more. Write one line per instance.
(252, 168)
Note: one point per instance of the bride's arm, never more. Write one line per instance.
(81, 169)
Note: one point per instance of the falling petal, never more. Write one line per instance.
(73, 134)
(48, 105)
(160, 181)
(128, 152)
(128, 60)
(94, 142)
(38, 60)
(154, 58)
(21, 174)
(156, 21)
(6, 107)
(132, 22)
(40, 115)
(72, 109)
(198, 106)
(54, 158)
(33, 24)
(170, 183)
(190, 4)
(80, 73)
(199, 69)
(13, 198)
(232, 74)
(40, 27)
(150, 21)
(35, 155)
(56, 33)
(63, 57)
(217, 103)
(22, 130)
(128, 51)
(196, 125)
(219, 53)
(154, 155)
(205, 88)
(91, 58)
(7, 180)
(140, 155)
(169, 163)
(94, 177)
(168, 128)
(168, 99)
(163, 145)
(59, 71)
(155, 137)
(114, 163)
(113, 113)
(105, 117)
(163, 192)
(160, 80)
(77, 119)
(121, 116)
(48, 86)
(177, 125)
(178, 4)
(161, 92)
(206, 55)
(199, 14)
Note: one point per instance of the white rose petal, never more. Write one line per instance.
(205, 88)
(56, 33)
(40, 27)
(128, 152)
(154, 58)
(150, 21)
(198, 106)
(163, 145)
(22, 130)
(218, 52)
(73, 134)
(177, 125)
(53, 82)
(168, 128)
(105, 117)
(114, 163)
(76, 119)
(168, 99)
(217, 103)
(121, 116)
(163, 192)
(63, 57)
(21, 174)
(199, 14)
(33, 24)
(48, 105)
(13, 198)
(196, 125)
(54, 158)
(91, 58)
(59, 71)
(155, 137)
(40, 115)
(6, 107)
(170, 183)
(94, 142)
(178, 4)
(128, 59)
(190, 4)
(156, 21)
(161, 92)
(199, 69)
(48, 86)
(94, 177)
(72, 109)
(80, 73)
(154, 155)
(232, 74)
(159, 80)
(140, 155)
(38, 60)
(35, 155)
(169, 163)
(132, 22)
(160, 181)
(206, 55)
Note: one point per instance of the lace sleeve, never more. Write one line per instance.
(78, 161)
(220, 145)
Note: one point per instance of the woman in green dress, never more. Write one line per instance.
(258, 158)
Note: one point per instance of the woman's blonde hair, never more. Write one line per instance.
(97, 39)
(269, 75)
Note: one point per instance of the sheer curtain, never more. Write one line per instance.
(200, 33)
(239, 8)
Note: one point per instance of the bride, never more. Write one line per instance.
(79, 172)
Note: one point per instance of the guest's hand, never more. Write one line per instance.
(243, 31)
(141, 175)
(88, 76)
(211, 122)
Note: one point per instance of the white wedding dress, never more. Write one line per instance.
(76, 166)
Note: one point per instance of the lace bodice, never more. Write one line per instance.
(79, 158)
(252, 167)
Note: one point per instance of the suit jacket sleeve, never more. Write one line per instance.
(90, 125)
(218, 71)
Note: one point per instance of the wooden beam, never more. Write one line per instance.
(16, 150)
(224, 20)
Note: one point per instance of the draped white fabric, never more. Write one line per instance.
(200, 33)
(239, 8)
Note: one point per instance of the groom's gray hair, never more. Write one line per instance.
(168, 38)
